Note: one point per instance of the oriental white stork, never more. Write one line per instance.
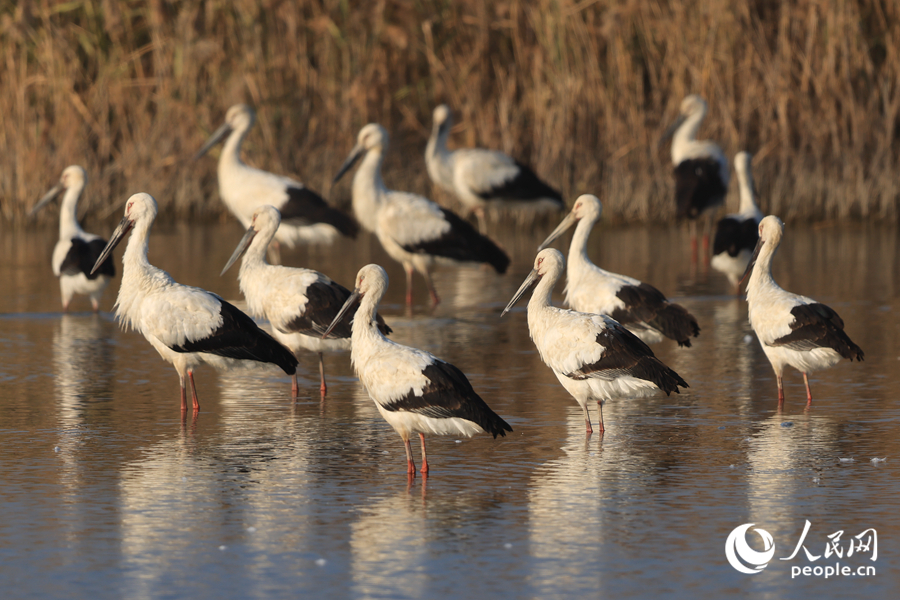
(701, 169)
(481, 178)
(186, 325)
(737, 234)
(299, 303)
(76, 251)
(305, 216)
(792, 329)
(413, 230)
(593, 356)
(639, 307)
(414, 391)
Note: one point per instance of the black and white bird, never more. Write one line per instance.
(77, 250)
(305, 216)
(593, 356)
(298, 303)
(482, 178)
(187, 325)
(792, 329)
(639, 307)
(737, 234)
(701, 169)
(414, 391)
(413, 230)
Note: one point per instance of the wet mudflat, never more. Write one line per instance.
(105, 492)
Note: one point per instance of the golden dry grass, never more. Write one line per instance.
(581, 90)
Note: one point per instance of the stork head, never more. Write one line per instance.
(372, 280)
(692, 104)
(587, 207)
(73, 177)
(264, 224)
(548, 261)
(371, 137)
(141, 208)
(442, 117)
(771, 230)
(239, 117)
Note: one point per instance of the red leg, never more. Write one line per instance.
(424, 459)
(410, 465)
(409, 274)
(600, 407)
(194, 391)
(323, 388)
(587, 420)
(808, 392)
(295, 386)
(183, 397)
(435, 300)
(780, 392)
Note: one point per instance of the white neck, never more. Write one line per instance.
(685, 135)
(68, 214)
(368, 189)
(437, 157)
(761, 277)
(748, 199)
(231, 152)
(137, 274)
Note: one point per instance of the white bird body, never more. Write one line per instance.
(736, 234)
(77, 250)
(413, 230)
(792, 329)
(243, 189)
(639, 307)
(186, 325)
(480, 177)
(298, 303)
(414, 391)
(592, 356)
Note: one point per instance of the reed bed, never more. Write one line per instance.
(580, 90)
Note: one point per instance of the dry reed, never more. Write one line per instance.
(581, 90)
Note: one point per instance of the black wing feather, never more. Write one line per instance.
(818, 326)
(462, 243)
(449, 394)
(239, 337)
(697, 187)
(81, 258)
(524, 186)
(646, 304)
(734, 235)
(626, 354)
(323, 301)
(305, 207)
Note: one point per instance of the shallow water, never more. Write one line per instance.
(107, 493)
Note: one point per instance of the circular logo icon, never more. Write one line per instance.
(739, 554)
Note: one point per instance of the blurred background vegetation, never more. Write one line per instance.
(581, 90)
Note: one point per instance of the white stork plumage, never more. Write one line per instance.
(186, 325)
(77, 250)
(593, 356)
(701, 169)
(737, 234)
(792, 329)
(481, 178)
(305, 216)
(413, 230)
(414, 391)
(639, 307)
(298, 303)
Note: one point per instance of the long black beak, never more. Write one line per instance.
(532, 278)
(567, 222)
(241, 248)
(671, 130)
(752, 262)
(353, 299)
(46, 199)
(121, 231)
(214, 139)
(355, 154)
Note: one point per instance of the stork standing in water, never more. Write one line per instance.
(639, 307)
(737, 234)
(185, 324)
(793, 330)
(299, 303)
(482, 178)
(701, 170)
(413, 230)
(76, 251)
(414, 391)
(305, 216)
(593, 356)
